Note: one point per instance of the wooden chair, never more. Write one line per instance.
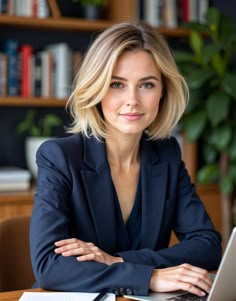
(15, 264)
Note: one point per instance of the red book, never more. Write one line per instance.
(26, 52)
(185, 10)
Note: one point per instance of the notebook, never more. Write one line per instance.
(224, 284)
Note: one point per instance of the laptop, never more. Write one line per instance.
(223, 287)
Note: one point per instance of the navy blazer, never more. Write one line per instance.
(75, 198)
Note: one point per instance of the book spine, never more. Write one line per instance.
(3, 74)
(42, 9)
(26, 74)
(37, 75)
(11, 49)
(185, 9)
(193, 10)
(170, 13)
(153, 12)
(203, 8)
(62, 57)
(3, 6)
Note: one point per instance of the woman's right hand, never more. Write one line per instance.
(183, 277)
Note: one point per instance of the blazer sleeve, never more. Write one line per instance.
(200, 243)
(51, 222)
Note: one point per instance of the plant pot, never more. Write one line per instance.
(92, 12)
(31, 146)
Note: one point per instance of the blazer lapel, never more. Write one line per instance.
(154, 183)
(99, 190)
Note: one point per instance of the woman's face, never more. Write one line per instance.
(132, 101)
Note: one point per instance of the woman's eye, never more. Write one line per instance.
(116, 85)
(147, 85)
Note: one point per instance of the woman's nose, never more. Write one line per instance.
(132, 97)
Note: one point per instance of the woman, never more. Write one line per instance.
(109, 195)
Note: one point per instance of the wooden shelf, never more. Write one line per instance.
(9, 101)
(16, 203)
(58, 24)
(73, 24)
(17, 196)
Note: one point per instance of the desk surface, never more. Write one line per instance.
(15, 295)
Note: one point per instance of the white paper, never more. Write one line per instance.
(62, 296)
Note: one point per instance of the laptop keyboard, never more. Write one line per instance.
(188, 297)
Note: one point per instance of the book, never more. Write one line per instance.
(11, 174)
(62, 56)
(61, 296)
(37, 75)
(42, 9)
(15, 186)
(26, 72)
(3, 74)
(46, 74)
(153, 12)
(170, 18)
(14, 179)
(11, 50)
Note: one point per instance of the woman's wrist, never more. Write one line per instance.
(153, 280)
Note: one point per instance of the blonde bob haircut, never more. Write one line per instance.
(94, 77)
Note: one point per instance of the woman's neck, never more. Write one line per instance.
(123, 152)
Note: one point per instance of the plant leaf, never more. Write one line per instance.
(197, 78)
(48, 122)
(196, 43)
(229, 84)
(194, 124)
(213, 20)
(232, 171)
(210, 50)
(209, 153)
(208, 173)
(218, 63)
(232, 147)
(218, 106)
(220, 137)
(226, 184)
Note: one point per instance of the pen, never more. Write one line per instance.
(100, 296)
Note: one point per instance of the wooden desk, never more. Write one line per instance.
(15, 295)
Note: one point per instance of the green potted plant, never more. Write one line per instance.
(93, 9)
(210, 70)
(37, 132)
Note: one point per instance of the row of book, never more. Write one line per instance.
(46, 73)
(14, 179)
(26, 8)
(171, 13)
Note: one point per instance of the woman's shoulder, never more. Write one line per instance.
(67, 142)
(67, 145)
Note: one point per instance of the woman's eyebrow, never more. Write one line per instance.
(141, 79)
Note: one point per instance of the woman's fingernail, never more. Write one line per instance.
(203, 293)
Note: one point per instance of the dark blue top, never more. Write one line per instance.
(128, 235)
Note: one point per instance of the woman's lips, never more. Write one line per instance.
(132, 116)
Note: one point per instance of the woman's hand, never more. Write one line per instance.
(85, 251)
(183, 277)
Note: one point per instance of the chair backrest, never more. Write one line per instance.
(15, 263)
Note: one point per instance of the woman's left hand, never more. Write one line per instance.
(85, 251)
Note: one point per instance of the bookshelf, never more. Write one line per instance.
(17, 101)
(63, 24)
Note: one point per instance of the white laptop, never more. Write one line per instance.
(224, 285)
